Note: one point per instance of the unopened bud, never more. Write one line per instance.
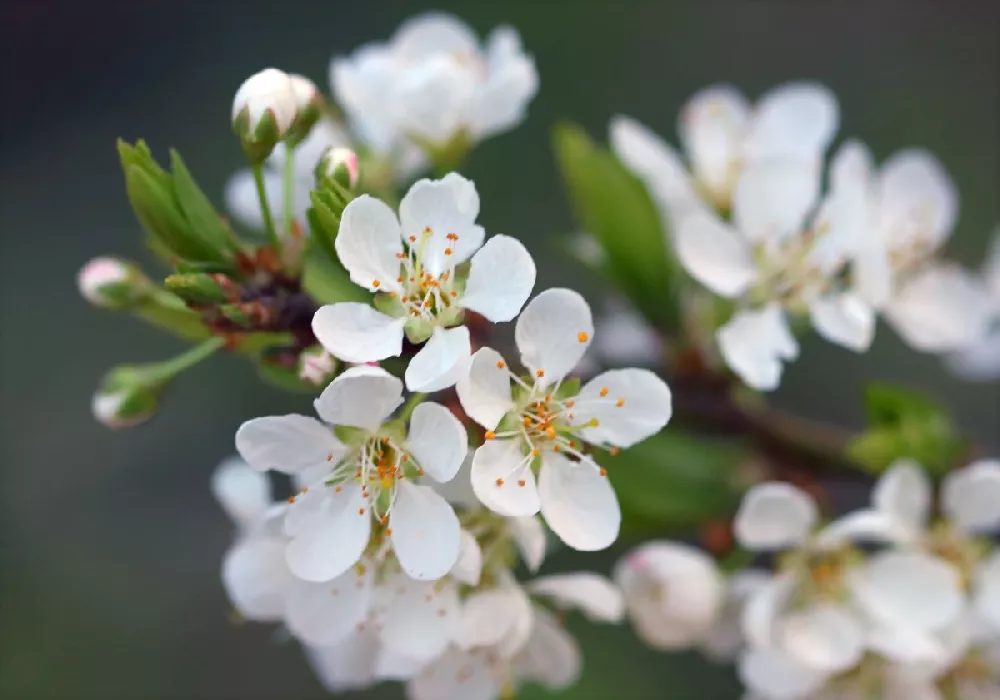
(111, 283)
(125, 399)
(341, 166)
(264, 109)
(308, 106)
(200, 287)
(316, 366)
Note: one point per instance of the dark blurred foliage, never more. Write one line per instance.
(110, 542)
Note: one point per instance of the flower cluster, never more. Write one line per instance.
(750, 223)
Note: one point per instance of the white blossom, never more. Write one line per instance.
(722, 134)
(433, 82)
(980, 361)
(372, 477)
(269, 93)
(673, 593)
(540, 426)
(411, 262)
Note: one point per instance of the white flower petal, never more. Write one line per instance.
(330, 531)
(469, 566)
(578, 504)
(551, 656)
(501, 277)
(908, 588)
(368, 244)
(432, 33)
(324, 614)
(980, 361)
(437, 440)
(904, 644)
(797, 120)
(942, 308)
(552, 334)
(626, 406)
(498, 471)
(441, 362)
(764, 607)
(256, 578)
(529, 536)
(711, 126)
(715, 254)
(350, 665)
(425, 532)
(485, 391)
(971, 497)
(456, 675)
(489, 616)
(917, 200)
(871, 526)
(448, 205)
(776, 676)
(598, 598)
(500, 103)
(656, 163)
(987, 592)
(904, 493)
(755, 343)
(243, 492)
(435, 99)
(775, 516)
(844, 319)
(362, 397)
(825, 637)
(360, 85)
(419, 618)
(286, 443)
(459, 491)
(356, 332)
(773, 198)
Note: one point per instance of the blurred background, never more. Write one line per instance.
(110, 542)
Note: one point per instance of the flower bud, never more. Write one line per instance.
(111, 283)
(341, 166)
(201, 288)
(317, 366)
(125, 399)
(264, 109)
(308, 106)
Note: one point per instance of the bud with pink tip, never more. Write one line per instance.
(340, 165)
(111, 283)
(264, 109)
(317, 367)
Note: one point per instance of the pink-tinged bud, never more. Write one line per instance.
(112, 284)
(264, 109)
(341, 165)
(317, 367)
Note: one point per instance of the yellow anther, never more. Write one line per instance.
(376, 284)
(604, 391)
(490, 435)
(386, 482)
(361, 511)
(551, 432)
(593, 422)
(569, 403)
(501, 364)
(620, 402)
(582, 336)
(520, 482)
(604, 472)
(539, 373)
(499, 482)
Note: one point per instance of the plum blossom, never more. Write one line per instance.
(370, 473)
(413, 263)
(904, 214)
(541, 425)
(722, 134)
(432, 83)
(980, 361)
(784, 253)
(673, 593)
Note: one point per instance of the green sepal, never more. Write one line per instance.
(446, 157)
(197, 288)
(349, 435)
(326, 280)
(614, 207)
(568, 388)
(203, 220)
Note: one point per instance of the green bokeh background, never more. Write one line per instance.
(110, 542)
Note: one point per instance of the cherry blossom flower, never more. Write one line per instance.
(673, 593)
(541, 425)
(432, 83)
(370, 475)
(980, 361)
(904, 214)
(722, 134)
(413, 264)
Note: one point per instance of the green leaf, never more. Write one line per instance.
(614, 207)
(327, 281)
(906, 423)
(205, 225)
(674, 480)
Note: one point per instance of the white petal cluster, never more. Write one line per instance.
(835, 621)
(980, 360)
(433, 82)
(751, 223)
(415, 264)
(540, 428)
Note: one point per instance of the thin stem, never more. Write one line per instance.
(171, 368)
(411, 403)
(265, 208)
(289, 185)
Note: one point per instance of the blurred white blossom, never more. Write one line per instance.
(980, 360)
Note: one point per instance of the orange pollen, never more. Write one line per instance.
(401, 256)
(527, 422)
(452, 236)
(620, 402)
(614, 450)
(413, 239)
(427, 304)
(499, 482)
(420, 472)
(556, 448)
(329, 457)
(570, 403)
(535, 452)
(291, 499)
(384, 520)
(604, 391)
(604, 472)
(539, 373)
(454, 293)
(490, 435)
(404, 299)
(404, 458)
(582, 336)
(447, 251)
(361, 511)
(388, 531)
(427, 229)
(548, 397)
(520, 482)
(376, 284)
(304, 489)
(551, 432)
(338, 489)
(501, 364)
